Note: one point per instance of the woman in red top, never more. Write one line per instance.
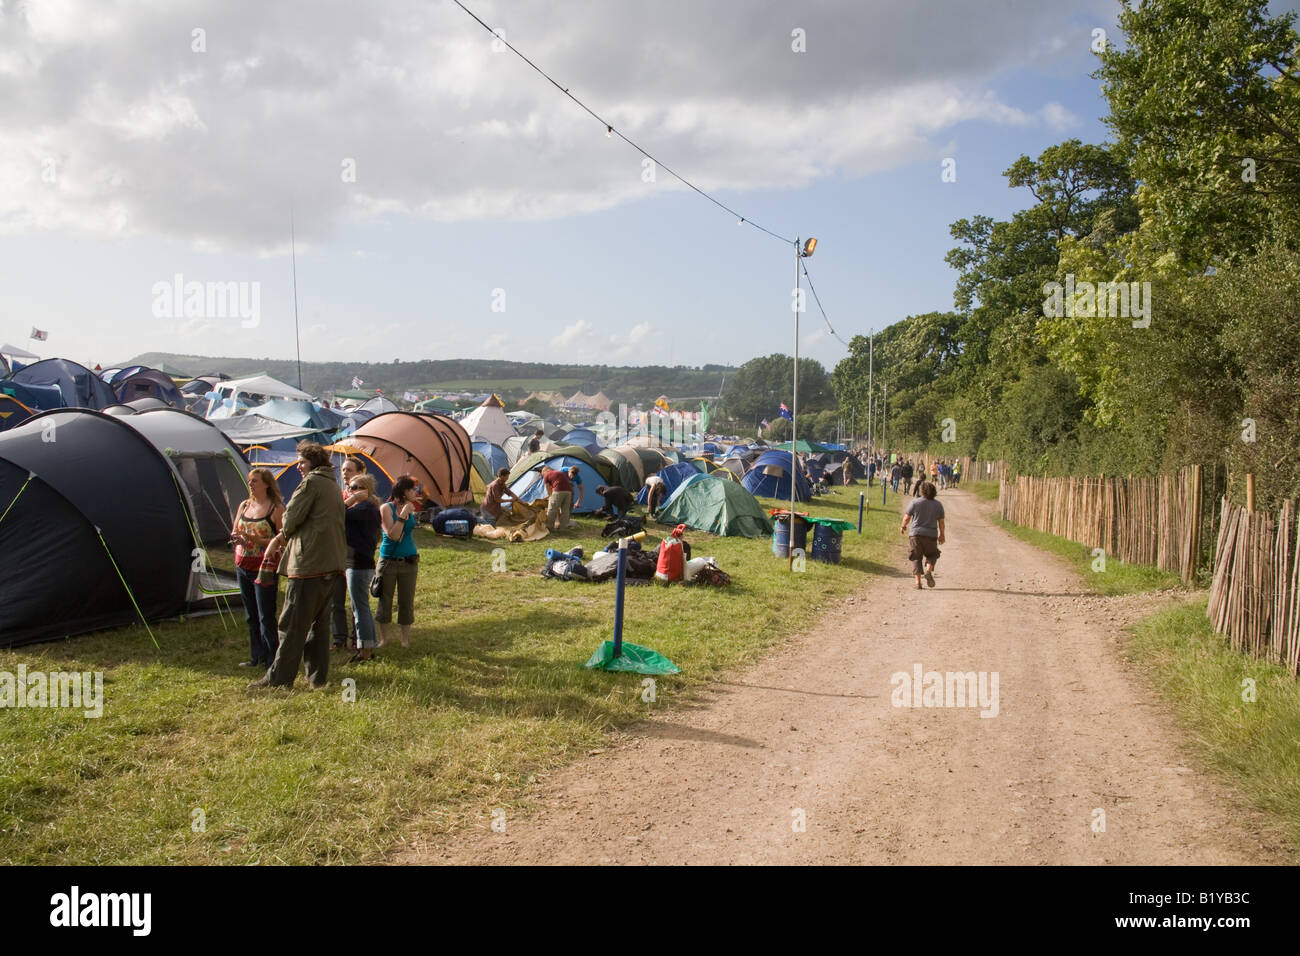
(256, 522)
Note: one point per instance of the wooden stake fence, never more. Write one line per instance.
(1137, 520)
(1255, 592)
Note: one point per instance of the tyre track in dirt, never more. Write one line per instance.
(811, 729)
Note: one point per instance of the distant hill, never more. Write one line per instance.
(512, 380)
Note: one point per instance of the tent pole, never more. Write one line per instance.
(794, 406)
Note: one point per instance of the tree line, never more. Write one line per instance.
(1139, 314)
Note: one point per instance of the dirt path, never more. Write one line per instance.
(811, 731)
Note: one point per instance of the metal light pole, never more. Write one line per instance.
(805, 252)
(871, 394)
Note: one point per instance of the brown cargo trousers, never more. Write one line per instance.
(305, 631)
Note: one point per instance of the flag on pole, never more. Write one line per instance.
(410, 396)
(785, 412)
(356, 382)
(39, 335)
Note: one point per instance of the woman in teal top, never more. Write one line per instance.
(398, 558)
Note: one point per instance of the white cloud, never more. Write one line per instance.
(152, 138)
(573, 334)
(1058, 117)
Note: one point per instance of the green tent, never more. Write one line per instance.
(434, 405)
(602, 466)
(718, 506)
(804, 447)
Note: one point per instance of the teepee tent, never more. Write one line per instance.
(488, 422)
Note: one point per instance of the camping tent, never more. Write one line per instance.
(13, 411)
(769, 477)
(77, 385)
(255, 385)
(525, 478)
(583, 436)
(180, 479)
(494, 455)
(379, 404)
(433, 448)
(301, 413)
(256, 430)
(139, 381)
(631, 473)
(673, 476)
(715, 505)
(488, 422)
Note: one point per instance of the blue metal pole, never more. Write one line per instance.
(862, 497)
(883, 486)
(618, 597)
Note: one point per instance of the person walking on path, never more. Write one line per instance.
(926, 517)
(313, 532)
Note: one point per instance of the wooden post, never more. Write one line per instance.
(1250, 491)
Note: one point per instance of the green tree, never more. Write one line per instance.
(1204, 99)
(757, 390)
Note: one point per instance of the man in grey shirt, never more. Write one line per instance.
(926, 517)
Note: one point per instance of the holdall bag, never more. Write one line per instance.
(377, 582)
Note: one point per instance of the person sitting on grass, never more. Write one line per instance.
(926, 516)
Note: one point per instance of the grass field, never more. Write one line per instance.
(503, 385)
(187, 766)
(1254, 743)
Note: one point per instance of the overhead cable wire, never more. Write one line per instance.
(818, 300)
(611, 130)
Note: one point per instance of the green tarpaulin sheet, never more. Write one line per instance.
(640, 660)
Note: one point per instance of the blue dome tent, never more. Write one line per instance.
(769, 477)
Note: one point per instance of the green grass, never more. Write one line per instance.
(503, 385)
(490, 694)
(1255, 744)
(988, 490)
(1117, 578)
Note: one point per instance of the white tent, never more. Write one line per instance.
(14, 351)
(261, 385)
(488, 422)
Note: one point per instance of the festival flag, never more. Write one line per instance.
(39, 335)
(410, 396)
(785, 412)
(356, 382)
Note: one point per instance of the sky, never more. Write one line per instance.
(447, 201)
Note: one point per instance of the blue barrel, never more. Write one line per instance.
(826, 544)
(781, 536)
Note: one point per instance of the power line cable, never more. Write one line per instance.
(818, 300)
(610, 130)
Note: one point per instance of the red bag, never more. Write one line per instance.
(670, 560)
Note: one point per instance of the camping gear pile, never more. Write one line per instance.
(670, 561)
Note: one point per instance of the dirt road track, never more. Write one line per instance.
(811, 728)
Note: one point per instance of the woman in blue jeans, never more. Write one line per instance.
(256, 522)
(362, 527)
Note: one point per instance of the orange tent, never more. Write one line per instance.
(433, 448)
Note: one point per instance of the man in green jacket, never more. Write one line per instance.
(317, 556)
